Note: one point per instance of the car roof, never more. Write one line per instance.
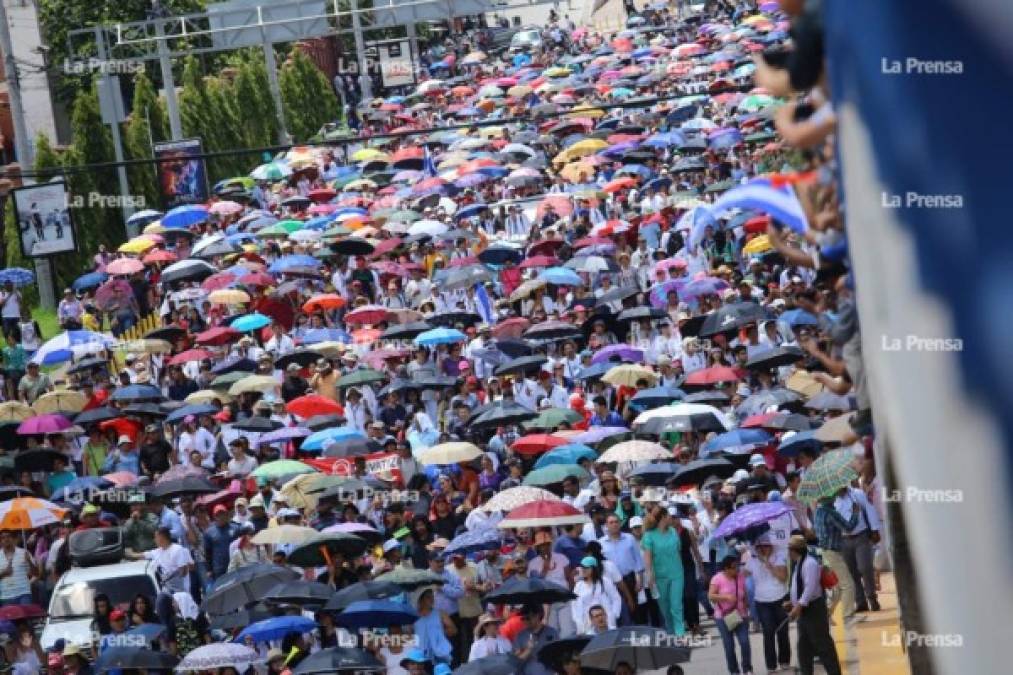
(129, 568)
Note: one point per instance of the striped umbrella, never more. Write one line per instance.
(828, 474)
(28, 513)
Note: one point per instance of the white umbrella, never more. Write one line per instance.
(450, 453)
(513, 497)
(634, 451)
(284, 534)
(219, 655)
(205, 242)
(433, 228)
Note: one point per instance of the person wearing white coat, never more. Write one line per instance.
(594, 589)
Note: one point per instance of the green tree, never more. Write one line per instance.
(307, 96)
(147, 123)
(255, 105)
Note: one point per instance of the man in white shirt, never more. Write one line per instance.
(857, 545)
(172, 561)
(517, 223)
(241, 464)
(355, 410)
(526, 393)
(280, 343)
(196, 438)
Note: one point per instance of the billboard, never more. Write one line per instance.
(182, 176)
(45, 227)
(396, 67)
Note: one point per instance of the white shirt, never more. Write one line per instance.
(487, 646)
(280, 344)
(11, 305)
(589, 595)
(356, 415)
(243, 468)
(169, 560)
(768, 587)
(202, 441)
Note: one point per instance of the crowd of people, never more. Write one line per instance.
(564, 345)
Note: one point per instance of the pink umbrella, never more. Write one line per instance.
(124, 266)
(121, 478)
(322, 209)
(367, 314)
(511, 328)
(113, 294)
(51, 423)
(181, 471)
(464, 262)
(376, 359)
(226, 208)
(216, 282)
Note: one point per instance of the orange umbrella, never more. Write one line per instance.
(323, 302)
(28, 513)
(618, 184)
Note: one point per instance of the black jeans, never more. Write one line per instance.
(814, 639)
(776, 641)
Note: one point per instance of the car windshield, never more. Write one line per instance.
(526, 35)
(77, 599)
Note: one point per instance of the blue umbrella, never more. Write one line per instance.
(283, 435)
(144, 217)
(375, 614)
(596, 371)
(792, 444)
(137, 392)
(251, 322)
(196, 409)
(561, 276)
(485, 539)
(288, 262)
(234, 363)
(319, 223)
(318, 440)
(18, 276)
(90, 280)
(736, 441)
(276, 628)
(185, 216)
(655, 397)
(799, 317)
(571, 453)
(315, 335)
(500, 254)
(470, 210)
(440, 336)
(69, 344)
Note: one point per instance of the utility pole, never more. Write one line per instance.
(110, 86)
(23, 149)
(158, 13)
(272, 80)
(365, 79)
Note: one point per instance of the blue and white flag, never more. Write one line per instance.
(761, 195)
(483, 304)
(428, 165)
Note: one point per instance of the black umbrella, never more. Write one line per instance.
(397, 386)
(558, 652)
(87, 364)
(775, 358)
(551, 330)
(337, 660)
(195, 270)
(151, 409)
(707, 396)
(642, 647)
(319, 422)
(258, 423)
(187, 485)
(39, 459)
(699, 470)
(655, 473)
(136, 392)
(96, 415)
(299, 592)
(352, 246)
(517, 591)
(234, 364)
(497, 664)
(730, 318)
(619, 293)
(297, 202)
(309, 554)
(133, 658)
(513, 348)
(405, 331)
(788, 422)
(426, 380)
(240, 619)
(450, 319)
(642, 312)
(352, 447)
(245, 586)
(691, 326)
(524, 364)
(300, 357)
(503, 414)
(218, 248)
(363, 590)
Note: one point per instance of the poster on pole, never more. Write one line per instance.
(396, 67)
(45, 227)
(182, 175)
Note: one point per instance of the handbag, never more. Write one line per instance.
(828, 578)
(733, 619)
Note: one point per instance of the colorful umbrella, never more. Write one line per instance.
(830, 472)
(543, 513)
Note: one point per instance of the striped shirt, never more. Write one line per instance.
(830, 526)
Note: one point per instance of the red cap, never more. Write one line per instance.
(472, 379)
(117, 614)
(221, 508)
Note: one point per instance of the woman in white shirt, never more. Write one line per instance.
(487, 640)
(768, 565)
(594, 588)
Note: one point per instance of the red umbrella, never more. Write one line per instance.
(386, 268)
(536, 444)
(159, 256)
(19, 612)
(190, 355)
(386, 246)
(757, 421)
(712, 375)
(365, 336)
(539, 261)
(323, 302)
(511, 328)
(543, 513)
(321, 195)
(257, 279)
(592, 241)
(618, 184)
(216, 282)
(313, 404)
(279, 310)
(371, 314)
(124, 266)
(544, 247)
(220, 335)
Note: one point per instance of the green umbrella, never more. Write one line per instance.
(311, 553)
(335, 232)
(282, 228)
(245, 181)
(828, 474)
(281, 467)
(405, 215)
(755, 102)
(552, 418)
(360, 377)
(760, 137)
(228, 379)
(720, 186)
(410, 579)
(555, 473)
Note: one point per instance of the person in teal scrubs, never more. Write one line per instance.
(663, 565)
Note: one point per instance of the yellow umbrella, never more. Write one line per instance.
(628, 374)
(155, 228)
(755, 19)
(284, 534)
(526, 289)
(557, 71)
(207, 396)
(252, 384)
(583, 148)
(450, 453)
(519, 90)
(757, 245)
(62, 400)
(584, 110)
(369, 154)
(144, 346)
(137, 245)
(360, 184)
(15, 411)
(228, 296)
(577, 172)
(490, 132)
(303, 491)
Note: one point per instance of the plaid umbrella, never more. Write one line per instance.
(828, 474)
